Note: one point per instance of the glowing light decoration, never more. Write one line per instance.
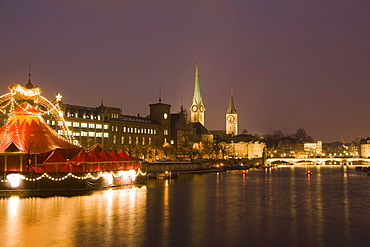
(9, 103)
(109, 178)
(25, 93)
(15, 180)
(58, 97)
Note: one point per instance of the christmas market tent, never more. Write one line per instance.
(124, 155)
(111, 163)
(56, 163)
(120, 161)
(96, 147)
(133, 162)
(82, 162)
(100, 160)
(27, 129)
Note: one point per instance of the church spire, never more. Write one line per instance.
(231, 118)
(197, 95)
(231, 109)
(197, 108)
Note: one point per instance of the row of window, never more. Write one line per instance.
(135, 130)
(142, 140)
(85, 125)
(106, 135)
(85, 116)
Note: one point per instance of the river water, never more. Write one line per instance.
(273, 207)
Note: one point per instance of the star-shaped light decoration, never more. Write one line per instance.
(58, 97)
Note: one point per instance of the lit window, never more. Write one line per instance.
(83, 133)
(135, 130)
(124, 129)
(112, 128)
(143, 141)
(99, 134)
(122, 140)
(68, 115)
(98, 117)
(106, 135)
(69, 124)
(84, 125)
(91, 125)
(116, 128)
(137, 140)
(76, 134)
(48, 121)
(76, 124)
(165, 132)
(150, 141)
(91, 134)
(155, 132)
(60, 132)
(76, 114)
(105, 126)
(129, 140)
(53, 122)
(114, 139)
(98, 126)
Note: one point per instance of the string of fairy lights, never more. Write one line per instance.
(10, 101)
(132, 173)
(43, 105)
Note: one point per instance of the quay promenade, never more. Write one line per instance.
(319, 161)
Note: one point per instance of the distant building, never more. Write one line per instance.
(231, 119)
(108, 127)
(313, 148)
(365, 148)
(240, 150)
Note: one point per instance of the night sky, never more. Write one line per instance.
(291, 63)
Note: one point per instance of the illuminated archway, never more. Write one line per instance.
(19, 94)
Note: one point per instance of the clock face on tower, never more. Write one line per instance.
(201, 108)
(194, 108)
(230, 118)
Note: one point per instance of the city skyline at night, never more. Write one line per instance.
(291, 65)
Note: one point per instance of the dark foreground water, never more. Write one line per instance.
(278, 207)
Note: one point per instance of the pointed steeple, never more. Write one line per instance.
(231, 109)
(231, 118)
(197, 108)
(197, 98)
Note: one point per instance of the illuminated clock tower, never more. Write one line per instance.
(231, 118)
(197, 108)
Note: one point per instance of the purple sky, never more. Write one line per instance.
(292, 64)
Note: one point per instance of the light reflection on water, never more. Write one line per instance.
(272, 207)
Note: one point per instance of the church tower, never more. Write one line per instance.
(197, 108)
(231, 118)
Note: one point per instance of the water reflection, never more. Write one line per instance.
(274, 207)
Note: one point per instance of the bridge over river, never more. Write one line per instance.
(320, 161)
